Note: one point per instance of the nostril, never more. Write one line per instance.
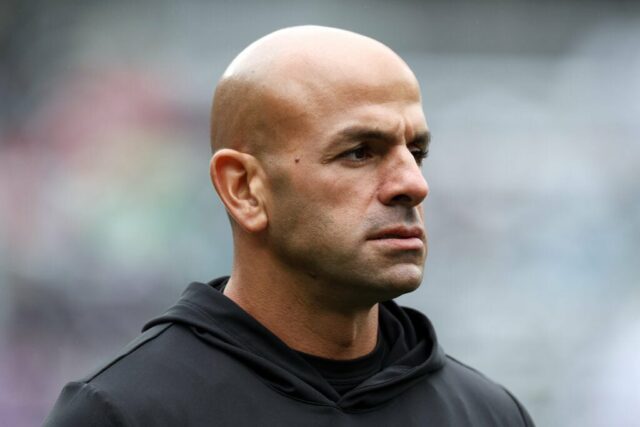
(401, 198)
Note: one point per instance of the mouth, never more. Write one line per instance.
(401, 232)
(401, 237)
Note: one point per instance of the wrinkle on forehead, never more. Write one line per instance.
(293, 77)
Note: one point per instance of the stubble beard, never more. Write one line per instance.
(356, 273)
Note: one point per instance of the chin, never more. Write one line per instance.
(401, 287)
(401, 281)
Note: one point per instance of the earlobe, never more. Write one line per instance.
(239, 181)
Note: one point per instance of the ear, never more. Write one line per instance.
(240, 182)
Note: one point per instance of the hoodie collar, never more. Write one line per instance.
(214, 318)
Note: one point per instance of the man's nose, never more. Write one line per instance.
(403, 183)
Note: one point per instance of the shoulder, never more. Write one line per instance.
(87, 401)
(138, 384)
(470, 379)
(80, 403)
(475, 390)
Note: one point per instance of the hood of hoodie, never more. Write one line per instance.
(413, 348)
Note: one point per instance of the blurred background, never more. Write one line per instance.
(107, 213)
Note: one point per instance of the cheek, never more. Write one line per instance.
(335, 202)
(348, 192)
(346, 205)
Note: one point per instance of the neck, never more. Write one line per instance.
(292, 309)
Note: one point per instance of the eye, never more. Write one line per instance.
(419, 154)
(358, 154)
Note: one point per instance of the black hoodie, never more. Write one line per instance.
(206, 362)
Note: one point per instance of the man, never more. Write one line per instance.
(318, 136)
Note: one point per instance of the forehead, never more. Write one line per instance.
(391, 104)
(395, 114)
(330, 85)
(402, 119)
(311, 98)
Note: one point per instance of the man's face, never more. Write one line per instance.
(346, 188)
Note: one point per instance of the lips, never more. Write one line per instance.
(400, 232)
(400, 239)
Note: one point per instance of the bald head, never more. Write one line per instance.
(295, 74)
(318, 135)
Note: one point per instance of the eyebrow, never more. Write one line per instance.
(359, 133)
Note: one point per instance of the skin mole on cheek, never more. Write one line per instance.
(297, 159)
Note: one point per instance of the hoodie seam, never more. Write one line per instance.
(503, 388)
(382, 404)
(384, 383)
(480, 374)
(116, 414)
(125, 354)
(329, 404)
(405, 370)
(336, 405)
(518, 405)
